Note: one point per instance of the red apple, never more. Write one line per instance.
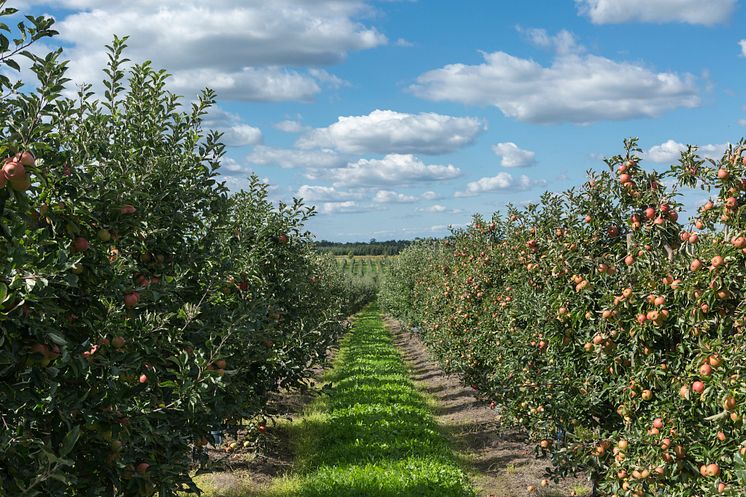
(80, 244)
(131, 299)
(14, 171)
(698, 387)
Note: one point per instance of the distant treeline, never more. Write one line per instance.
(373, 247)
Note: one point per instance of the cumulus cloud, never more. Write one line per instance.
(290, 158)
(575, 87)
(312, 193)
(742, 44)
(437, 208)
(430, 196)
(393, 169)
(387, 131)
(669, 152)
(513, 156)
(686, 11)
(231, 167)
(502, 182)
(348, 207)
(389, 197)
(239, 47)
(290, 126)
(236, 133)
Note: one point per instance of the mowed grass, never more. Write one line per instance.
(373, 435)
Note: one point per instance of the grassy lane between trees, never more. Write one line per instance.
(373, 435)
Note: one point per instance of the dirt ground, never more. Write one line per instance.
(245, 473)
(499, 459)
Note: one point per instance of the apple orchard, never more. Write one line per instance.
(597, 320)
(142, 305)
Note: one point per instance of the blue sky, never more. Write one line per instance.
(399, 118)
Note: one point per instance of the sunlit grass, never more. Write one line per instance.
(374, 434)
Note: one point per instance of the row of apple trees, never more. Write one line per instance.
(599, 321)
(142, 305)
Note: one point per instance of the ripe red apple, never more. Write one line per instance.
(717, 261)
(705, 370)
(142, 468)
(649, 213)
(131, 299)
(127, 209)
(220, 364)
(80, 244)
(14, 171)
(624, 178)
(695, 265)
(698, 387)
(26, 158)
(283, 239)
(723, 173)
(629, 260)
(658, 423)
(143, 378)
(684, 391)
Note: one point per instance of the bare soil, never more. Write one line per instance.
(246, 472)
(498, 458)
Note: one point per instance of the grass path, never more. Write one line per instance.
(373, 435)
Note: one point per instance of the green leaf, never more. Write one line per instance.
(69, 442)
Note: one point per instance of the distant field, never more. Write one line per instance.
(362, 265)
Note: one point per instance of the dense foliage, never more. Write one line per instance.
(596, 320)
(142, 305)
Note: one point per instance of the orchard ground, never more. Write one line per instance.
(497, 461)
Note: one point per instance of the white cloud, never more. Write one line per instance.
(311, 193)
(742, 44)
(328, 78)
(238, 47)
(402, 42)
(289, 158)
(393, 169)
(348, 207)
(389, 197)
(290, 126)
(230, 166)
(669, 152)
(513, 156)
(563, 42)
(236, 133)
(430, 196)
(687, 11)
(502, 182)
(386, 131)
(575, 87)
(437, 208)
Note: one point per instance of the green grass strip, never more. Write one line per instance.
(374, 434)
